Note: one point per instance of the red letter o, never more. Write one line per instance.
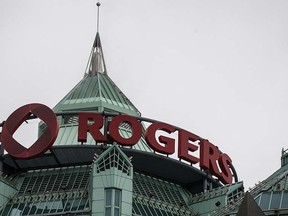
(135, 130)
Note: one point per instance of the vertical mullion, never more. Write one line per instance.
(27, 186)
(52, 192)
(45, 190)
(79, 188)
(66, 192)
(59, 188)
(36, 194)
(72, 189)
(84, 191)
(38, 191)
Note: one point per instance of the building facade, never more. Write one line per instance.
(271, 194)
(76, 177)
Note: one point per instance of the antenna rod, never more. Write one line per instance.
(98, 6)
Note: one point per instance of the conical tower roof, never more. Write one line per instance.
(96, 91)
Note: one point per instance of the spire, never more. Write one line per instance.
(98, 7)
(96, 91)
(96, 63)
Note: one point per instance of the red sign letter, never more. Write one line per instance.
(169, 147)
(44, 142)
(93, 128)
(209, 155)
(135, 127)
(224, 162)
(184, 146)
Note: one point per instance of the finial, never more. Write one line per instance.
(96, 63)
(98, 6)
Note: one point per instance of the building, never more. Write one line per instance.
(106, 177)
(271, 194)
(110, 176)
(90, 176)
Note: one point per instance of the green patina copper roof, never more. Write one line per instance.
(215, 202)
(113, 157)
(270, 194)
(96, 91)
(224, 191)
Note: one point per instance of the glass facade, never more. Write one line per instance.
(66, 181)
(50, 191)
(273, 200)
(112, 202)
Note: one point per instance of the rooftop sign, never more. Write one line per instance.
(189, 147)
(44, 142)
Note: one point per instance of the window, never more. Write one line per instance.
(275, 201)
(265, 201)
(112, 202)
(285, 200)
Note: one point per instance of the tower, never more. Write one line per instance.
(106, 177)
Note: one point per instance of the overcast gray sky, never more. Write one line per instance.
(215, 68)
